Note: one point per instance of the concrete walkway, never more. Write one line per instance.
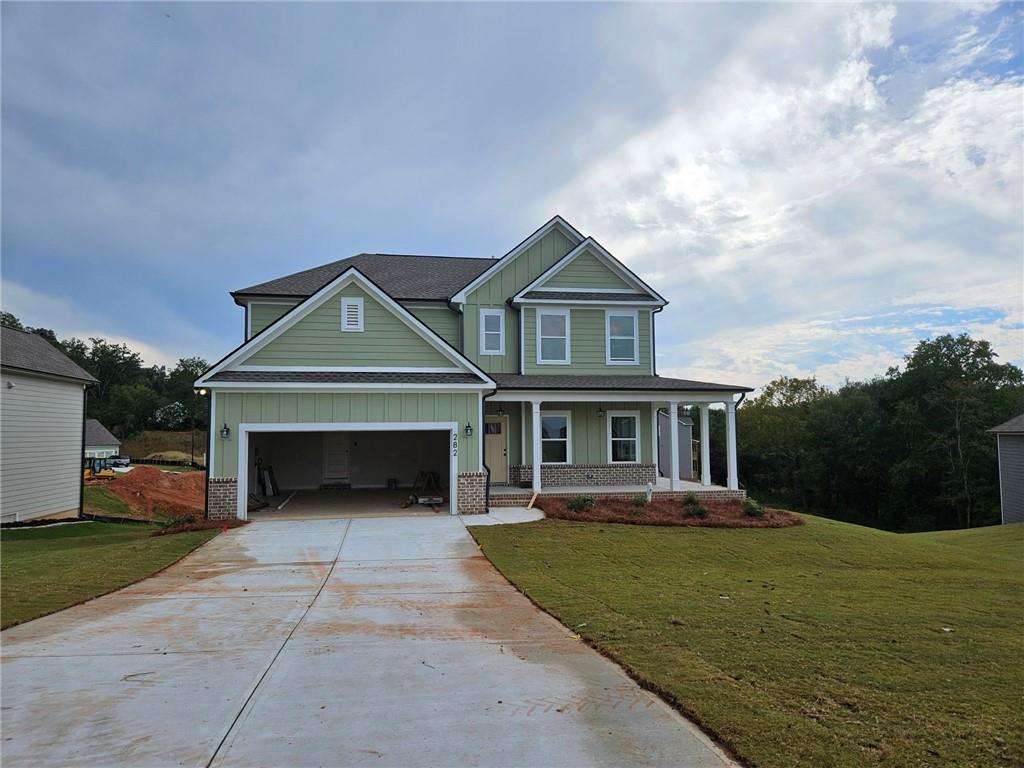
(385, 642)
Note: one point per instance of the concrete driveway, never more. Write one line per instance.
(384, 642)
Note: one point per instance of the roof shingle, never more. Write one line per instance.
(585, 296)
(97, 434)
(31, 352)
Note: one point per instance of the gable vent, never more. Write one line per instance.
(351, 313)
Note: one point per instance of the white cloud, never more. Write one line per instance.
(769, 205)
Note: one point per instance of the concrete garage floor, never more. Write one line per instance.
(377, 641)
(329, 504)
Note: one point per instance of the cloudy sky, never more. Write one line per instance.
(814, 187)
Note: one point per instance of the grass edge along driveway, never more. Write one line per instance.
(827, 644)
(43, 570)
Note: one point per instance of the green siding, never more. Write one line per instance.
(317, 339)
(586, 271)
(234, 408)
(261, 315)
(586, 344)
(502, 286)
(589, 431)
(441, 320)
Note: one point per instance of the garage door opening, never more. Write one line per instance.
(327, 472)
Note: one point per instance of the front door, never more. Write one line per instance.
(496, 447)
(335, 456)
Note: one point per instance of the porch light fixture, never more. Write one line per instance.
(600, 411)
(469, 430)
(225, 431)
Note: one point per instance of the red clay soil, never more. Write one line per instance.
(720, 514)
(150, 491)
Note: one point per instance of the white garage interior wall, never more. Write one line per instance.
(373, 457)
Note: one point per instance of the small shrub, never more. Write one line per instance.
(692, 506)
(581, 503)
(640, 500)
(752, 508)
(691, 500)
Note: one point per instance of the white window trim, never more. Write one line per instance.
(608, 315)
(634, 415)
(348, 301)
(568, 334)
(568, 437)
(486, 312)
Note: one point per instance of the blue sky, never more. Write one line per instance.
(813, 187)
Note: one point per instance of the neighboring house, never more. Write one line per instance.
(1010, 444)
(99, 442)
(42, 432)
(535, 371)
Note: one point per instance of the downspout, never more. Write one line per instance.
(81, 459)
(654, 345)
(457, 309)
(483, 431)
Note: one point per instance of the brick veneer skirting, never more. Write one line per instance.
(472, 493)
(585, 474)
(223, 496)
(519, 499)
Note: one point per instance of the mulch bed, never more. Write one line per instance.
(720, 514)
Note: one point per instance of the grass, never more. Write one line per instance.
(827, 644)
(48, 569)
(102, 501)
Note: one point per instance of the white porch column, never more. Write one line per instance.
(535, 407)
(730, 452)
(673, 428)
(705, 445)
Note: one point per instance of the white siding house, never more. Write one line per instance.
(42, 414)
(99, 442)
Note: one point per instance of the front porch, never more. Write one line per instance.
(511, 496)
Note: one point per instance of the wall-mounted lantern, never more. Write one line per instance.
(600, 411)
(225, 432)
(469, 430)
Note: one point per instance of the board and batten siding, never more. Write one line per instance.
(589, 431)
(262, 314)
(494, 293)
(40, 446)
(1011, 477)
(234, 408)
(586, 271)
(587, 350)
(317, 339)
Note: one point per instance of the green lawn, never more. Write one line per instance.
(101, 501)
(819, 645)
(43, 570)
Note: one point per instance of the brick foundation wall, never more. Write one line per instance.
(472, 493)
(223, 495)
(518, 500)
(584, 474)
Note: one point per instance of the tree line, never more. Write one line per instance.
(130, 396)
(906, 451)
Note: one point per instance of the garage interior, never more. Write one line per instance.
(325, 474)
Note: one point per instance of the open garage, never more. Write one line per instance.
(368, 469)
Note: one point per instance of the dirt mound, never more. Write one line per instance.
(151, 491)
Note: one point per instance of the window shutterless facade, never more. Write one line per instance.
(492, 331)
(556, 437)
(553, 337)
(621, 337)
(623, 437)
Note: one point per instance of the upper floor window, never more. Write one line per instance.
(621, 345)
(351, 313)
(492, 331)
(553, 336)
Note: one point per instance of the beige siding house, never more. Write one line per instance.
(42, 413)
(496, 378)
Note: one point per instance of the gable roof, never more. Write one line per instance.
(97, 434)
(1014, 426)
(34, 354)
(403, 277)
(352, 275)
(589, 245)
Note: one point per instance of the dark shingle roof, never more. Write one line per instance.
(97, 434)
(30, 352)
(629, 382)
(1013, 426)
(403, 277)
(583, 296)
(338, 377)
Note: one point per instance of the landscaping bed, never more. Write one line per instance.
(689, 512)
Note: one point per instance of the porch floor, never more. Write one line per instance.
(662, 486)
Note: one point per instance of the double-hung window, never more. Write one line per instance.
(555, 437)
(623, 437)
(492, 331)
(553, 336)
(621, 343)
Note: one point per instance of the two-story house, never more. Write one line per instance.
(534, 372)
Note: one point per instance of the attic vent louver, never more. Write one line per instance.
(351, 313)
